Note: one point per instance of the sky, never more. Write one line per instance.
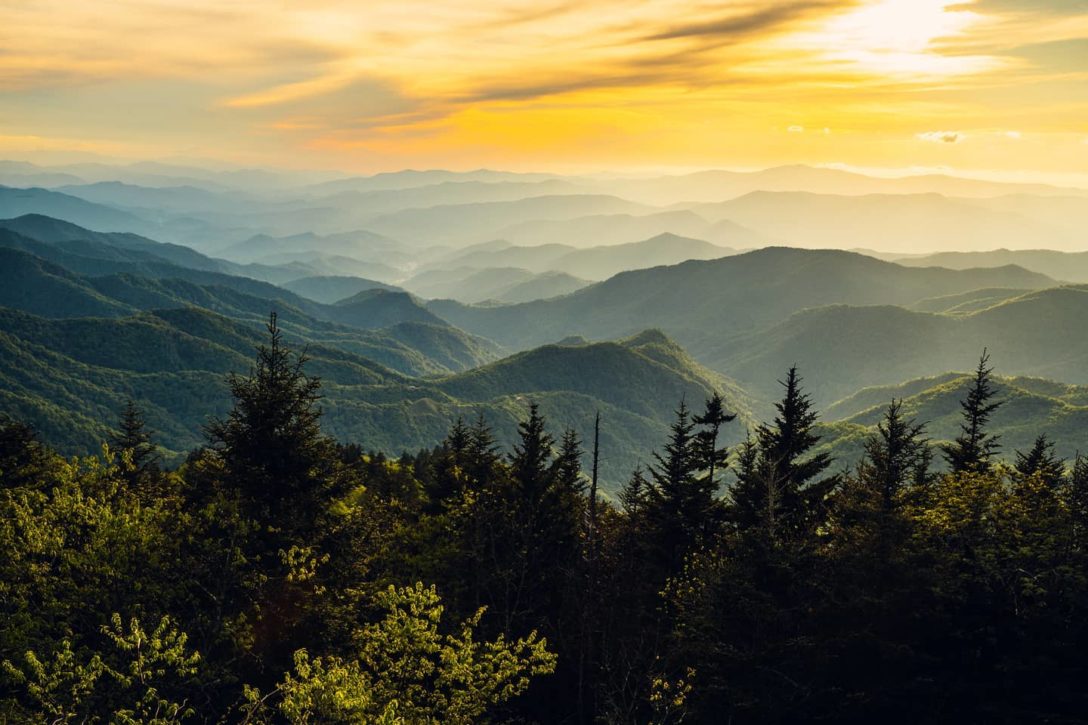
(997, 87)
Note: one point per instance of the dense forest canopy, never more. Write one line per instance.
(277, 575)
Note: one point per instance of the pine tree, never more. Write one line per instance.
(711, 421)
(681, 504)
(452, 465)
(787, 441)
(567, 467)
(23, 458)
(533, 533)
(974, 447)
(868, 510)
(134, 439)
(1040, 461)
(530, 462)
(271, 443)
(1077, 499)
(481, 454)
(779, 490)
(632, 496)
(895, 457)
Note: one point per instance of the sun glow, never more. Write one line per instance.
(901, 38)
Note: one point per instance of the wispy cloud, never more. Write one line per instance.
(941, 136)
(735, 26)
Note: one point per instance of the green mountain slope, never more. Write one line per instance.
(841, 348)
(71, 377)
(123, 276)
(701, 303)
(1030, 406)
(33, 284)
(376, 308)
(429, 347)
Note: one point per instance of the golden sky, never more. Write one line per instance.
(996, 86)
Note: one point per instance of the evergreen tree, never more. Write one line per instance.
(779, 490)
(1077, 498)
(711, 421)
(530, 464)
(895, 457)
(632, 496)
(134, 439)
(271, 443)
(567, 467)
(1040, 461)
(481, 454)
(451, 467)
(868, 575)
(869, 518)
(681, 504)
(23, 458)
(974, 447)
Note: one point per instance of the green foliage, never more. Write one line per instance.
(779, 495)
(271, 443)
(128, 684)
(405, 669)
(974, 447)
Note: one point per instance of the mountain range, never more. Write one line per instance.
(423, 296)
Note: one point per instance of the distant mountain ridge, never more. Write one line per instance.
(700, 302)
(1064, 266)
(1038, 333)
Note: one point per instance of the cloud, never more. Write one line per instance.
(952, 137)
(796, 129)
(734, 26)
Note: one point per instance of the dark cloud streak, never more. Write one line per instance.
(736, 27)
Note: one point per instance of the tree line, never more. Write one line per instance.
(280, 576)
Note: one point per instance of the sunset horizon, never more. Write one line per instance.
(976, 87)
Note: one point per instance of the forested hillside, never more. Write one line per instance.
(701, 302)
(278, 576)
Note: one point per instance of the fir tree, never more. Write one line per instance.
(481, 453)
(895, 457)
(134, 439)
(271, 442)
(1040, 461)
(711, 421)
(868, 510)
(452, 465)
(779, 490)
(531, 460)
(682, 507)
(789, 439)
(567, 467)
(23, 458)
(1077, 498)
(974, 447)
